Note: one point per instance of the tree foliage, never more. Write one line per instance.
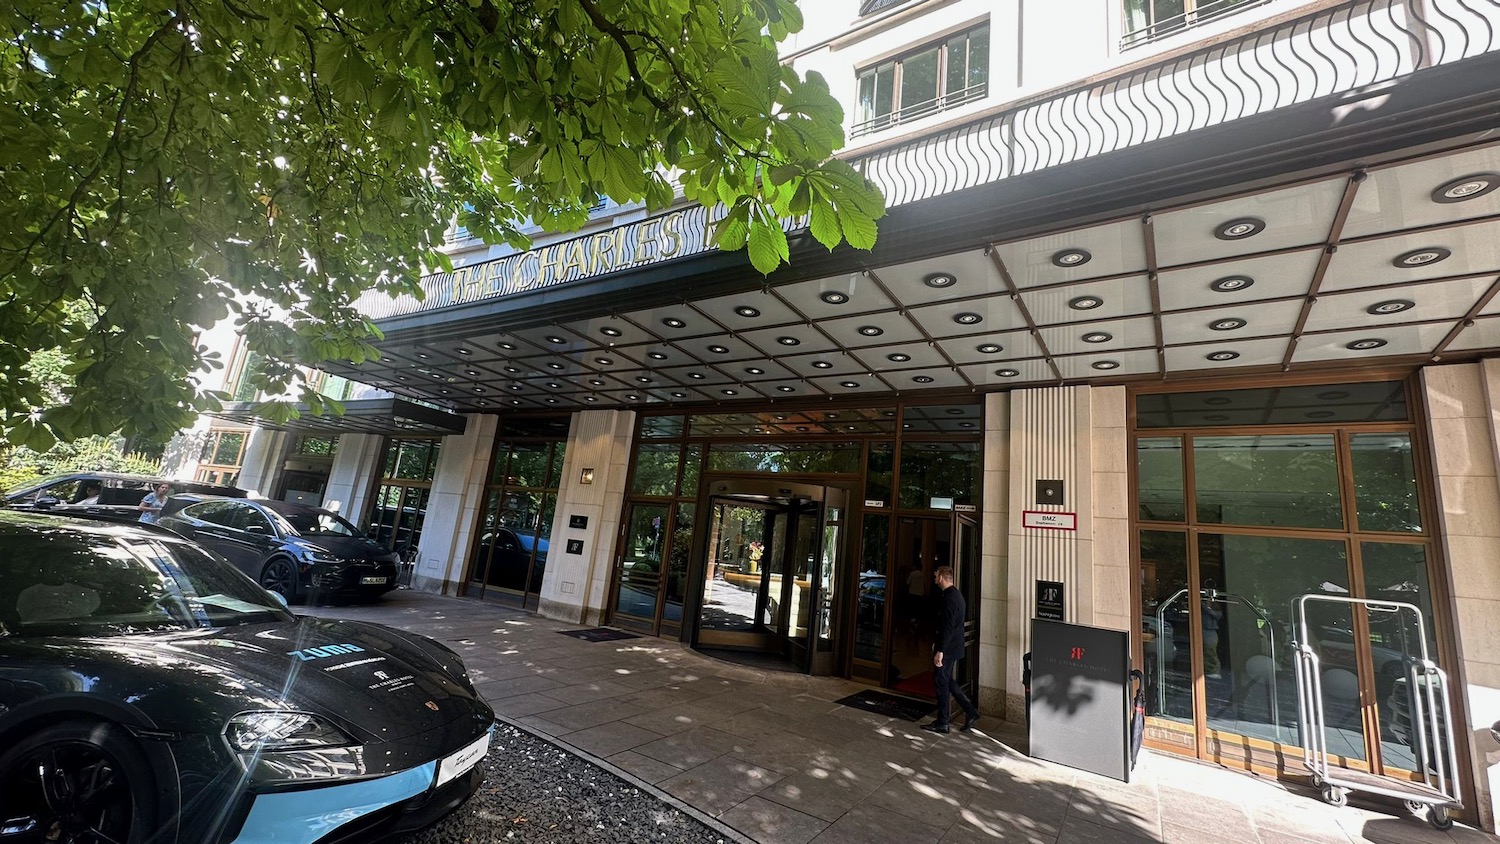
(21, 465)
(170, 165)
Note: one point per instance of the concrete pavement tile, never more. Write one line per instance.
(522, 705)
(609, 739)
(587, 692)
(830, 729)
(524, 685)
(1406, 829)
(754, 723)
(731, 703)
(864, 824)
(972, 828)
(1138, 815)
(675, 719)
(1276, 836)
(932, 801)
(1226, 819)
(648, 769)
(782, 752)
(592, 714)
(1034, 809)
(542, 725)
(719, 785)
(1076, 830)
(773, 823)
(663, 697)
(678, 750)
(828, 795)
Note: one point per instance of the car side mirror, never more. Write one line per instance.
(259, 530)
(45, 501)
(280, 599)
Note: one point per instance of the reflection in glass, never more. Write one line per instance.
(528, 465)
(939, 470)
(827, 562)
(677, 567)
(1396, 572)
(640, 570)
(1287, 480)
(656, 469)
(839, 457)
(1247, 586)
(1374, 401)
(1165, 634)
(691, 469)
(738, 557)
(869, 635)
(803, 565)
(879, 472)
(1159, 488)
(1385, 483)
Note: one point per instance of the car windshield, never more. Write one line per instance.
(67, 583)
(316, 523)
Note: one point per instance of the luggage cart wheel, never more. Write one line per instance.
(1439, 818)
(1317, 781)
(1335, 796)
(1415, 806)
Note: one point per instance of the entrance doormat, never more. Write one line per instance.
(599, 634)
(893, 706)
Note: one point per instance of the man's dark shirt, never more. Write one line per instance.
(950, 628)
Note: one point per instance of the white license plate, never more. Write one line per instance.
(373, 581)
(461, 762)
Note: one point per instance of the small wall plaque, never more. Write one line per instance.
(1049, 600)
(1049, 492)
(579, 522)
(1049, 520)
(575, 546)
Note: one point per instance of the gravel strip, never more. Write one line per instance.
(536, 791)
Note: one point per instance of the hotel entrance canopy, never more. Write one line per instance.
(1317, 194)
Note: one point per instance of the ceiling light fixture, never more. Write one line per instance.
(1106, 364)
(557, 340)
(1392, 306)
(656, 356)
(1085, 303)
(590, 399)
(673, 322)
(1098, 337)
(643, 379)
(697, 376)
(1465, 188)
(1420, 257)
(849, 384)
(939, 280)
(730, 392)
(789, 341)
(747, 312)
(898, 357)
(604, 361)
(968, 318)
(1240, 228)
(989, 348)
(554, 385)
(871, 330)
(1320, 414)
(1222, 356)
(632, 397)
(1007, 373)
(423, 355)
(1227, 324)
(678, 394)
(1071, 258)
(719, 350)
(922, 379)
(509, 347)
(755, 370)
(554, 366)
(822, 364)
(1365, 344)
(596, 382)
(464, 351)
(834, 297)
(512, 370)
(1231, 283)
(785, 389)
(610, 331)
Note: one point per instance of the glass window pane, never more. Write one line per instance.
(1385, 483)
(640, 570)
(919, 83)
(943, 418)
(979, 60)
(885, 88)
(879, 473)
(541, 541)
(677, 567)
(957, 56)
(1165, 635)
(661, 427)
(554, 475)
(656, 469)
(1376, 401)
(489, 521)
(866, 97)
(838, 457)
(869, 628)
(690, 471)
(1396, 572)
(528, 465)
(1158, 476)
(939, 470)
(1248, 584)
(1283, 480)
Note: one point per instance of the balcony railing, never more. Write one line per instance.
(1202, 13)
(920, 110)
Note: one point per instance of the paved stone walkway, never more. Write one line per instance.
(772, 756)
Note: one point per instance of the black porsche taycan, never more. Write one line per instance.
(150, 692)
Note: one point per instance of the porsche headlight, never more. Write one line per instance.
(278, 730)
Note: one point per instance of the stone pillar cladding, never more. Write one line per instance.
(994, 676)
(458, 483)
(1463, 411)
(576, 586)
(265, 454)
(351, 479)
(1076, 435)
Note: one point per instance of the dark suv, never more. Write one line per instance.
(101, 495)
(297, 550)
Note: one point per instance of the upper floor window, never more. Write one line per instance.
(1148, 20)
(870, 7)
(932, 78)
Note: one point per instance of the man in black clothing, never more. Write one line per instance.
(947, 651)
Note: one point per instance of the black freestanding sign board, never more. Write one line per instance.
(1080, 688)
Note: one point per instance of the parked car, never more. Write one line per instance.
(295, 550)
(102, 495)
(149, 691)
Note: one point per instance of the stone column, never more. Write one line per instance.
(351, 480)
(265, 453)
(994, 676)
(453, 506)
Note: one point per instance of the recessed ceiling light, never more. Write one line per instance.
(517, 387)
(463, 351)
(513, 370)
(1392, 306)
(719, 350)
(1365, 345)
(1098, 337)
(1334, 395)
(966, 424)
(554, 385)
(834, 297)
(785, 389)
(1231, 283)
(673, 322)
(968, 318)
(1085, 303)
(604, 361)
(482, 403)
(509, 347)
(849, 384)
(446, 392)
(437, 375)
(1071, 257)
(1222, 356)
(400, 377)
(1216, 417)
(871, 330)
(955, 411)
(1319, 414)
(1420, 257)
(554, 366)
(1106, 364)
(472, 373)
(1241, 228)
(656, 356)
(922, 379)
(822, 364)
(551, 401)
(898, 357)
(747, 312)
(590, 399)
(697, 376)
(557, 340)
(632, 397)
(643, 379)
(678, 394)
(1218, 401)
(730, 392)
(801, 427)
(1227, 324)
(989, 348)
(423, 355)
(1007, 373)
(515, 401)
(1465, 188)
(789, 341)
(755, 370)
(478, 389)
(596, 382)
(610, 331)
(939, 280)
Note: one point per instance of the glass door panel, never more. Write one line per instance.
(966, 574)
(1385, 483)
(480, 556)
(1397, 572)
(677, 565)
(870, 611)
(828, 555)
(1246, 585)
(1166, 630)
(639, 577)
(1283, 480)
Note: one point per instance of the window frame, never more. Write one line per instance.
(899, 114)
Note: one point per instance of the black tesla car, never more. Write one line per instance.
(149, 692)
(297, 550)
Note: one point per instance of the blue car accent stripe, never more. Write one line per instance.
(302, 817)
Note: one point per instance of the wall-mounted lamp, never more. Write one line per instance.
(586, 476)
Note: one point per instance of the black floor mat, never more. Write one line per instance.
(894, 706)
(599, 634)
